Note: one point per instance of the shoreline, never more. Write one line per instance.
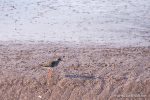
(75, 44)
(100, 49)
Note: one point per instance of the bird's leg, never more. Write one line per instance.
(49, 75)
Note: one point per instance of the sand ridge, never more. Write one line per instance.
(84, 74)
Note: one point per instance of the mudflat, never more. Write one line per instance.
(88, 72)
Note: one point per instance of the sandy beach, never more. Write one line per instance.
(89, 72)
(104, 47)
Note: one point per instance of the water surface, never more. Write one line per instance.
(117, 22)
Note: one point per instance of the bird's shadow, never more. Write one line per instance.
(86, 77)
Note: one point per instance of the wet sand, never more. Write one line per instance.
(86, 72)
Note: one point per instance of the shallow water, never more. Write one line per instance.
(115, 22)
